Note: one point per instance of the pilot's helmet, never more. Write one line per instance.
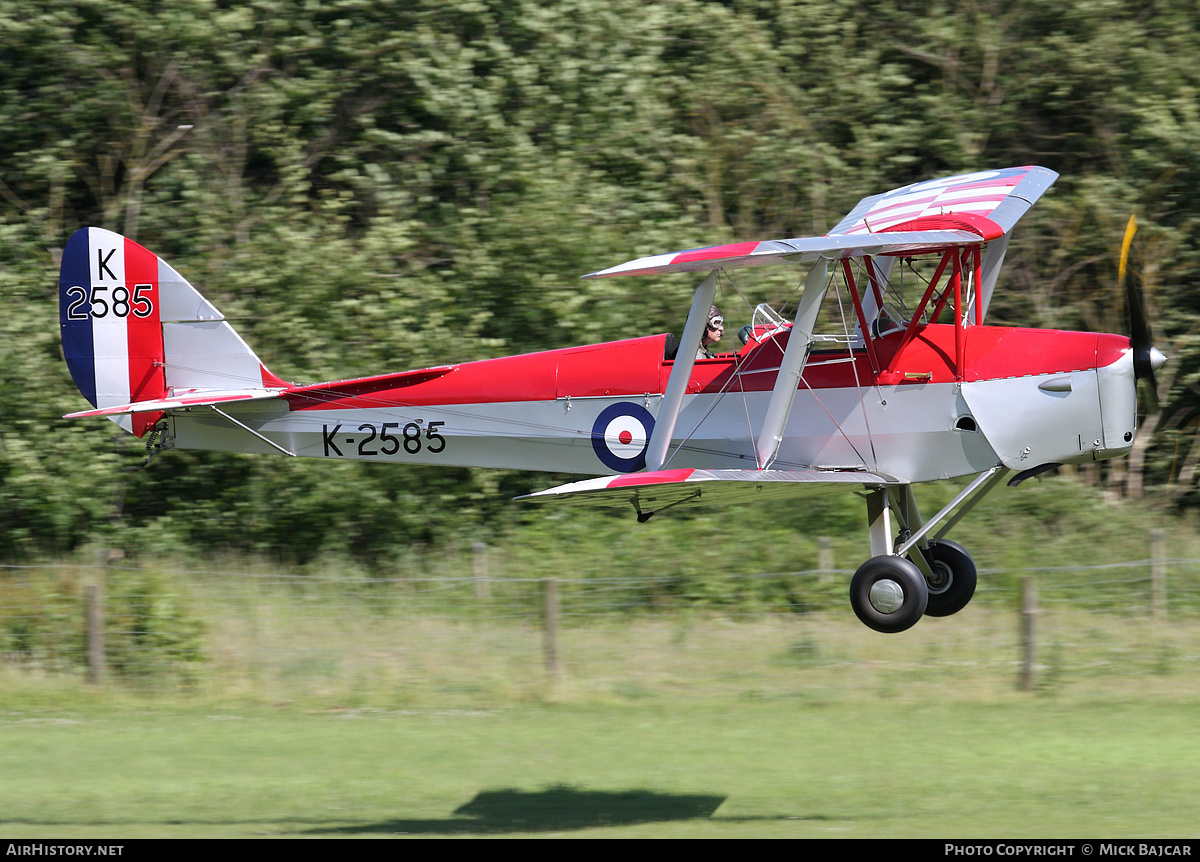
(714, 318)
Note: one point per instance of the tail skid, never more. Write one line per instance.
(139, 339)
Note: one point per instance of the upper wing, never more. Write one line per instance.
(1001, 196)
(953, 211)
(790, 250)
(651, 492)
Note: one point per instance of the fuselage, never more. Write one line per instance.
(1022, 398)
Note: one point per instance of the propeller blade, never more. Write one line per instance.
(1126, 242)
(1139, 324)
(1146, 358)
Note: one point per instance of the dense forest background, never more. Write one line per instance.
(367, 186)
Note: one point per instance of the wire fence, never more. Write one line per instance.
(477, 638)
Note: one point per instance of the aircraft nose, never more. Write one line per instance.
(1147, 360)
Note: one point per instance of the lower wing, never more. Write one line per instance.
(653, 492)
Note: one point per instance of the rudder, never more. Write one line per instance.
(135, 330)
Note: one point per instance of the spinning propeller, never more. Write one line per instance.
(1146, 357)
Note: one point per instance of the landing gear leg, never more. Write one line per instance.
(888, 593)
(948, 569)
(915, 575)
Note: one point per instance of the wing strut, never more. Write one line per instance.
(795, 357)
(681, 373)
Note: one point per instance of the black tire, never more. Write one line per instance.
(954, 579)
(891, 578)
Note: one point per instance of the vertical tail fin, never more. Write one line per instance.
(134, 330)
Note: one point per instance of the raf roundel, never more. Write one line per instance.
(620, 436)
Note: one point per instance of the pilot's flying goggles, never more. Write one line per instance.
(716, 323)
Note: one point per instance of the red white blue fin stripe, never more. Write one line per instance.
(134, 330)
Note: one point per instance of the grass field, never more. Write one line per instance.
(99, 765)
(325, 707)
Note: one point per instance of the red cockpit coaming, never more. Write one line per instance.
(636, 367)
(995, 352)
(991, 353)
(617, 368)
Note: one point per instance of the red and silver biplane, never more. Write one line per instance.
(904, 390)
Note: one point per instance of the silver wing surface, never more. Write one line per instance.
(961, 210)
(652, 492)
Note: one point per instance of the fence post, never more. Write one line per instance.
(95, 634)
(479, 560)
(825, 558)
(1158, 575)
(550, 626)
(1029, 611)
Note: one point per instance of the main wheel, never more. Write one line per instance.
(954, 579)
(888, 594)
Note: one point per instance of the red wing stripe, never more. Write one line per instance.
(658, 478)
(912, 207)
(717, 251)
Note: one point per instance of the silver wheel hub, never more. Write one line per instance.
(943, 577)
(886, 596)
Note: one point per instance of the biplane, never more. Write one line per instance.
(901, 382)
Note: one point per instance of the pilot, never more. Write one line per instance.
(715, 328)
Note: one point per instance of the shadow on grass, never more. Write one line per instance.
(551, 810)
